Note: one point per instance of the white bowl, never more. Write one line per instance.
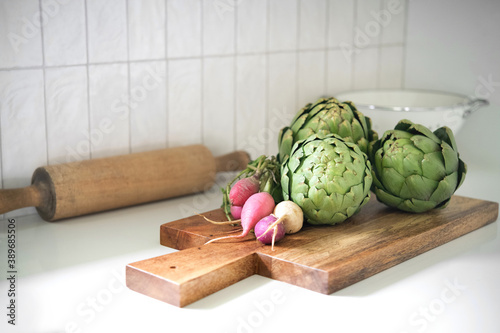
(432, 109)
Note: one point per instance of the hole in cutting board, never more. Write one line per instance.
(173, 267)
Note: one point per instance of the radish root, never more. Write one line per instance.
(274, 237)
(225, 237)
(275, 223)
(219, 222)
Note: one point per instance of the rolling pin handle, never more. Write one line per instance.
(234, 161)
(12, 199)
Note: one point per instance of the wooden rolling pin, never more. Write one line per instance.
(79, 188)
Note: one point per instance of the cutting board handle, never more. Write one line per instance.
(234, 161)
(183, 277)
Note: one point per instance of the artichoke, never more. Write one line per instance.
(327, 116)
(414, 169)
(328, 177)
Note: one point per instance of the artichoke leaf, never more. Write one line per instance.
(418, 187)
(393, 181)
(445, 134)
(433, 166)
(445, 188)
(450, 158)
(416, 206)
(425, 144)
(387, 198)
(462, 170)
(407, 126)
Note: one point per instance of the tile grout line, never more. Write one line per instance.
(353, 56)
(405, 45)
(44, 83)
(7, 69)
(1, 158)
(202, 74)
(87, 65)
(379, 49)
(167, 83)
(267, 57)
(129, 86)
(235, 78)
(297, 58)
(327, 35)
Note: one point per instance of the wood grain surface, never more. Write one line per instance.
(320, 258)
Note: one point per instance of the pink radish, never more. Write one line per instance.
(236, 211)
(290, 215)
(242, 190)
(255, 208)
(269, 237)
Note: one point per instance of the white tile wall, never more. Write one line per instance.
(339, 72)
(251, 26)
(391, 67)
(20, 34)
(67, 114)
(184, 28)
(340, 14)
(218, 28)
(283, 25)
(107, 30)
(86, 78)
(250, 103)
(367, 28)
(312, 24)
(363, 76)
(64, 33)
(109, 110)
(218, 104)
(146, 29)
(311, 76)
(148, 105)
(184, 102)
(282, 85)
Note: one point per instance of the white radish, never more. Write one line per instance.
(291, 216)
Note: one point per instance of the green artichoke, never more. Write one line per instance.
(328, 177)
(414, 169)
(327, 116)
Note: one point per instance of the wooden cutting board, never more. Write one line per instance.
(320, 258)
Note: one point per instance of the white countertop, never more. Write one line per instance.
(71, 279)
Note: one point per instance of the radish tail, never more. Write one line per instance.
(274, 237)
(225, 237)
(275, 223)
(219, 222)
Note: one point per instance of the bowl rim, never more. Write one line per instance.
(466, 100)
